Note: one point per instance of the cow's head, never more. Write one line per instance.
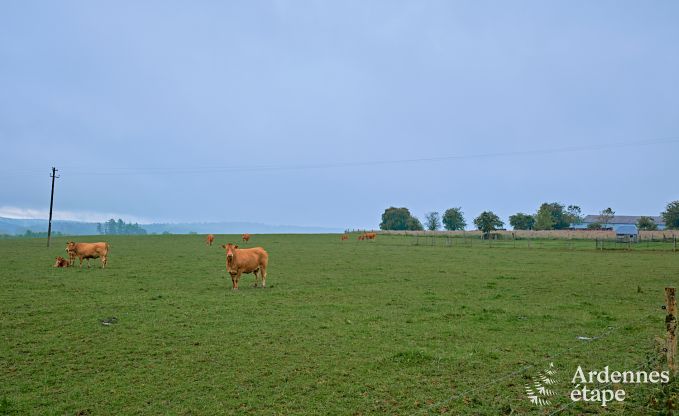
(59, 261)
(230, 249)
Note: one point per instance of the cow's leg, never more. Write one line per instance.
(103, 261)
(255, 273)
(81, 262)
(234, 280)
(88, 262)
(262, 272)
(237, 278)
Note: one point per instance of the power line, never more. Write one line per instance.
(117, 171)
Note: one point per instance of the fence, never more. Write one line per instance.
(561, 239)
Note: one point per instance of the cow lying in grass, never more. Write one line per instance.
(245, 260)
(88, 251)
(61, 262)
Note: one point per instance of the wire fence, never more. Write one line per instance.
(600, 241)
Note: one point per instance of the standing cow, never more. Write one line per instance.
(369, 236)
(245, 260)
(246, 238)
(88, 251)
(210, 238)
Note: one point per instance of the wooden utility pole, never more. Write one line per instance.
(49, 224)
(671, 326)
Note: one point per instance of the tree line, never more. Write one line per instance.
(549, 216)
(119, 227)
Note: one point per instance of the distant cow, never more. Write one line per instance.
(88, 251)
(361, 237)
(370, 236)
(61, 262)
(344, 237)
(246, 238)
(210, 238)
(245, 260)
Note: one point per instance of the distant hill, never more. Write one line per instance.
(14, 226)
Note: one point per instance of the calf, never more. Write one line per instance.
(245, 260)
(210, 238)
(61, 262)
(88, 251)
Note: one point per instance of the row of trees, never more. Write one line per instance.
(119, 227)
(549, 216)
(401, 219)
(453, 219)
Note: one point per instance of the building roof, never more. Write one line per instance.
(622, 219)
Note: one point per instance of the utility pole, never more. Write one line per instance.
(49, 225)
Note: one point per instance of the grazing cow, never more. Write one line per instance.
(210, 238)
(361, 237)
(61, 262)
(88, 251)
(344, 237)
(245, 260)
(246, 238)
(370, 236)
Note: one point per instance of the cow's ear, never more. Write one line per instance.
(222, 246)
(235, 246)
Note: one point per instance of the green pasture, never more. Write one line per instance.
(345, 328)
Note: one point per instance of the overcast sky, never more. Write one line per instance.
(275, 111)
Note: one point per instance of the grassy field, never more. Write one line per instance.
(351, 327)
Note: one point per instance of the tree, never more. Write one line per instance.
(398, 219)
(594, 226)
(432, 221)
(413, 224)
(646, 224)
(550, 216)
(453, 219)
(671, 215)
(99, 228)
(521, 221)
(574, 215)
(606, 216)
(488, 222)
(110, 227)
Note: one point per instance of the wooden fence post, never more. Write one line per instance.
(671, 326)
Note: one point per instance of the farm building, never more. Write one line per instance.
(627, 232)
(618, 221)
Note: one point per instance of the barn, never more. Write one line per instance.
(626, 232)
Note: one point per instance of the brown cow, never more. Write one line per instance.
(210, 238)
(370, 236)
(246, 238)
(361, 237)
(61, 262)
(245, 260)
(88, 251)
(344, 237)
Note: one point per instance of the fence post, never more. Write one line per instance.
(674, 248)
(671, 325)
